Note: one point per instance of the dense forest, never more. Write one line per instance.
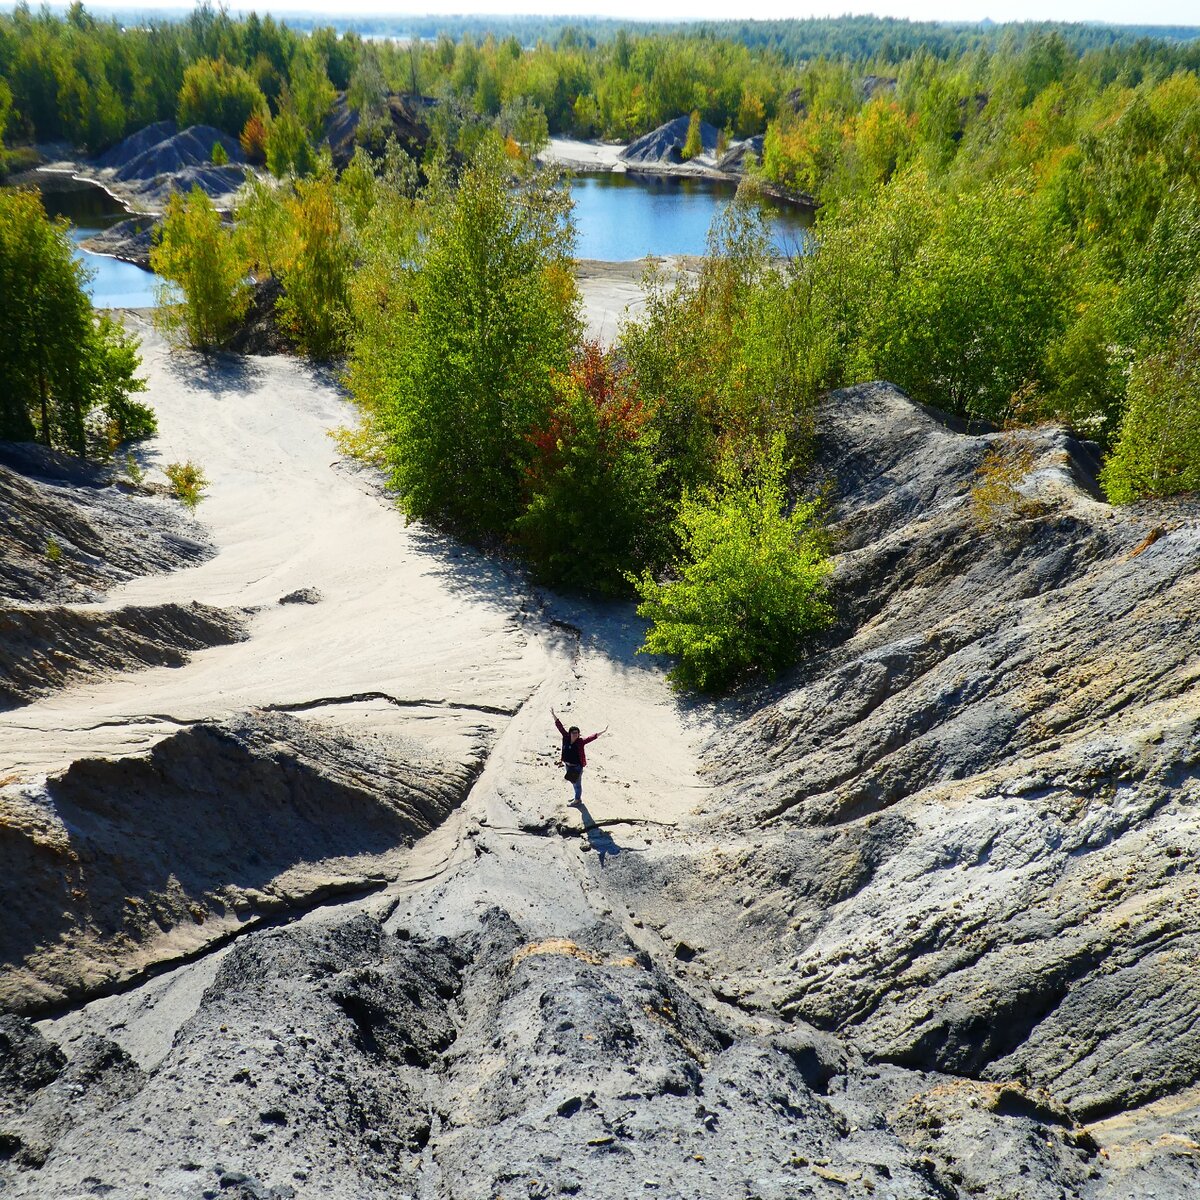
(801, 38)
(91, 80)
(1008, 228)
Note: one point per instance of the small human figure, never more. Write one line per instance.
(573, 756)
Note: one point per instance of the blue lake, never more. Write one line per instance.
(114, 284)
(621, 217)
(617, 217)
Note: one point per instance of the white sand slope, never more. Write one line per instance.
(413, 631)
(579, 155)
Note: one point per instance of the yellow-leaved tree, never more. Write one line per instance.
(204, 294)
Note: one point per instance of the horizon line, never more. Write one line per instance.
(568, 18)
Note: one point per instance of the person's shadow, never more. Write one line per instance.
(599, 840)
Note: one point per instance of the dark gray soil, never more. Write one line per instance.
(44, 649)
(139, 159)
(665, 144)
(145, 169)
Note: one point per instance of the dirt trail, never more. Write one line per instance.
(411, 634)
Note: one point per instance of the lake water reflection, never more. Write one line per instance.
(621, 217)
(618, 218)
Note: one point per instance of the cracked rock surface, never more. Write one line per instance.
(917, 920)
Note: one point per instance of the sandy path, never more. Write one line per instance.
(404, 613)
(425, 632)
(435, 641)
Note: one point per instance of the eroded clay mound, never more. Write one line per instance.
(335, 1058)
(139, 860)
(67, 534)
(134, 161)
(665, 144)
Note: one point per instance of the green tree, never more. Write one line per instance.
(693, 147)
(388, 246)
(64, 376)
(205, 294)
(952, 296)
(315, 269)
(289, 152)
(262, 226)
(751, 583)
(367, 95)
(5, 110)
(730, 355)
(475, 347)
(1158, 453)
(750, 114)
(215, 93)
(311, 92)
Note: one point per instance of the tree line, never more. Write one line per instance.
(90, 81)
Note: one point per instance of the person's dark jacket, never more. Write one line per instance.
(573, 753)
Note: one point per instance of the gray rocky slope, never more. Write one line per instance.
(69, 533)
(932, 932)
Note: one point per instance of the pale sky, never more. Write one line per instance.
(1117, 12)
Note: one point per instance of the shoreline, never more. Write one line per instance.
(604, 158)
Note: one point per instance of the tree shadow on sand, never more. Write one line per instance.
(216, 373)
(613, 629)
